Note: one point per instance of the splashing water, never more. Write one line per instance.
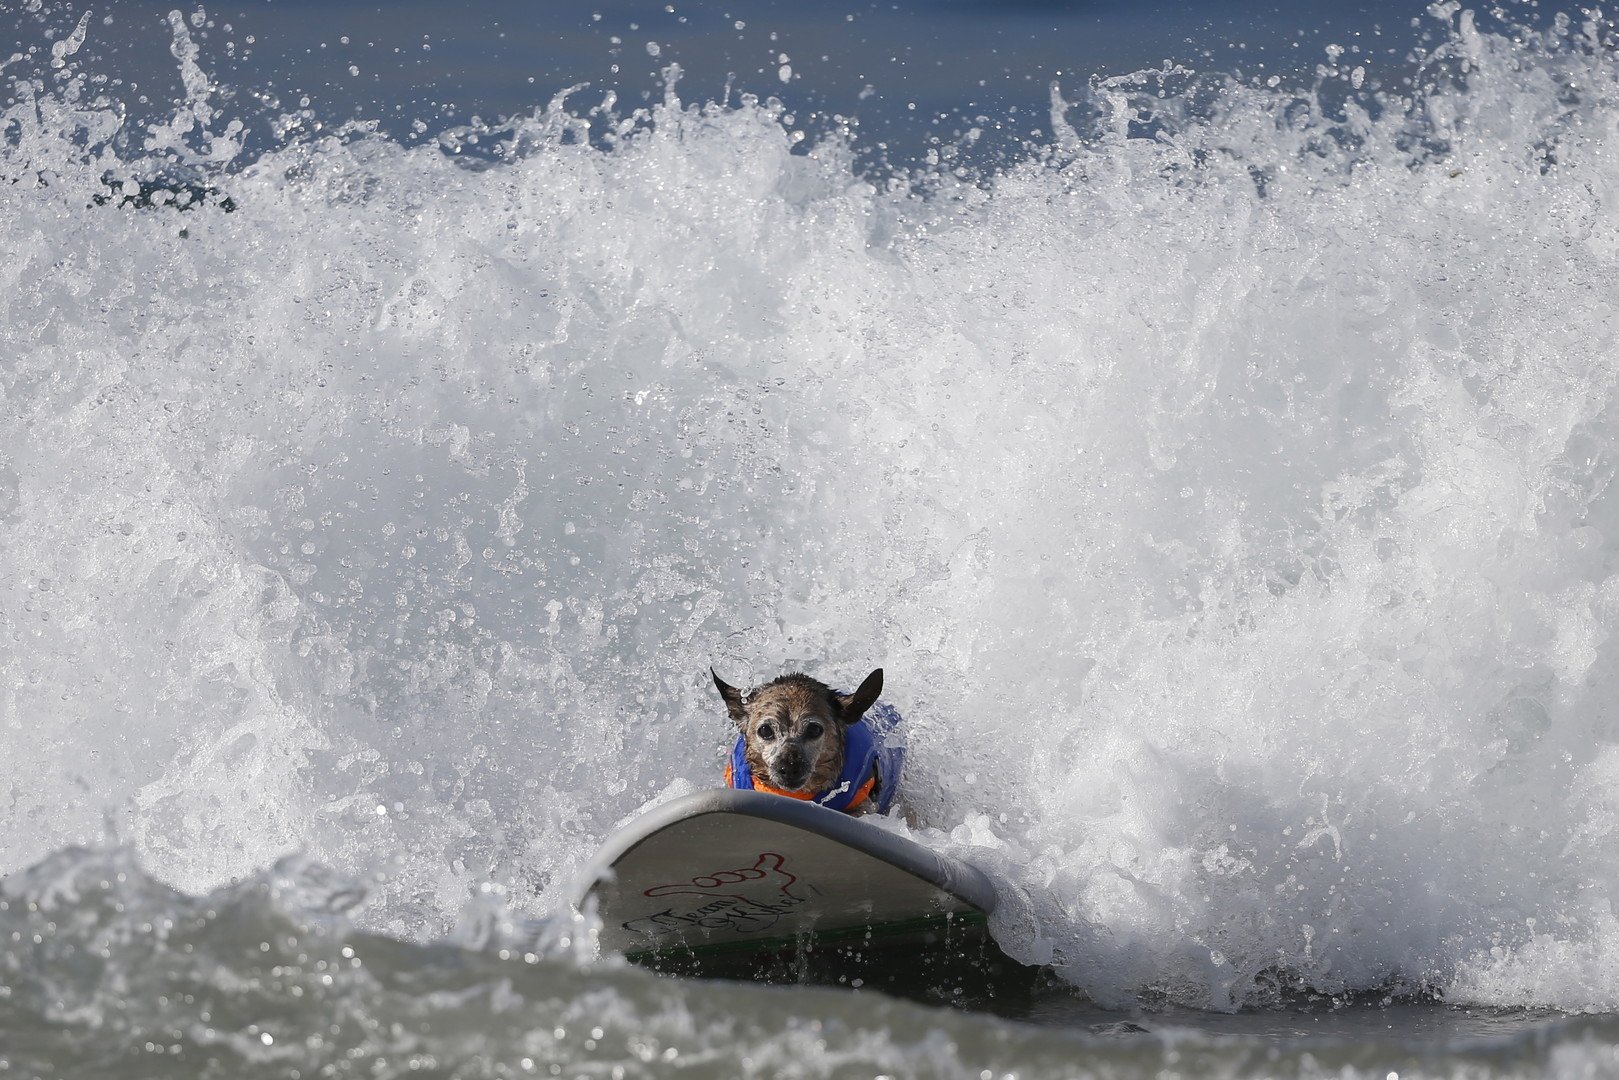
(117, 975)
(1225, 487)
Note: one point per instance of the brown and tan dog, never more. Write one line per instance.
(795, 740)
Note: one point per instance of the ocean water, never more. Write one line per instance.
(1222, 474)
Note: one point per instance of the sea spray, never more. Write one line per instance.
(1224, 486)
(107, 971)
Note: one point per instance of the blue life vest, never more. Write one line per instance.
(871, 766)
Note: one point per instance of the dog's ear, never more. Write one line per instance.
(854, 705)
(733, 698)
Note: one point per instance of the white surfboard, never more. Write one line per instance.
(731, 871)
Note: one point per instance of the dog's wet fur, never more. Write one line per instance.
(793, 728)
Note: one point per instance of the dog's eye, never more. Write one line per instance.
(766, 731)
(812, 730)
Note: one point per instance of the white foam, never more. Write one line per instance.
(1230, 500)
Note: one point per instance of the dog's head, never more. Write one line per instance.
(793, 727)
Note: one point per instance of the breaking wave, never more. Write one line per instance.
(1225, 485)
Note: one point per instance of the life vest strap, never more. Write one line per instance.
(860, 795)
(863, 794)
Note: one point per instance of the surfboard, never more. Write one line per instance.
(738, 873)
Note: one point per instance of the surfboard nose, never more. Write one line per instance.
(744, 872)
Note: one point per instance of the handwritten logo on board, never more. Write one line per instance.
(749, 900)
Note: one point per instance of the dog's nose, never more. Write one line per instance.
(792, 770)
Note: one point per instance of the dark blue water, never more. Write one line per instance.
(909, 77)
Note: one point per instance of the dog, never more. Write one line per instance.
(800, 738)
